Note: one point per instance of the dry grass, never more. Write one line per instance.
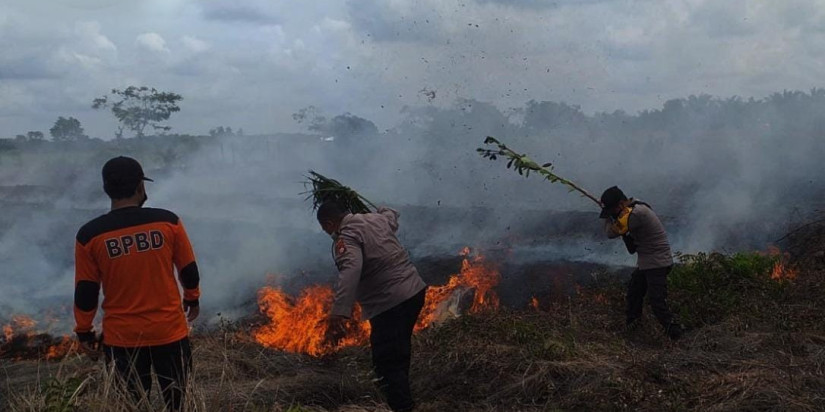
(571, 355)
(230, 374)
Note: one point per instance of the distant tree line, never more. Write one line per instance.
(462, 126)
(221, 131)
(343, 127)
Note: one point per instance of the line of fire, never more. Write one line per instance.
(296, 323)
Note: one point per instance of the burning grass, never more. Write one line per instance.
(22, 339)
(477, 276)
(763, 349)
(298, 324)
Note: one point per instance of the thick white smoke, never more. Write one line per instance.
(720, 179)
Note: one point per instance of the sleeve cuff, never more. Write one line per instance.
(340, 310)
(86, 337)
(193, 303)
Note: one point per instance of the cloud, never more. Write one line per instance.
(152, 42)
(84, 60)
(335, 25)
(720, 19)
(195, 44)
(32, 67)
(87, 48)
(540, 4)
(238, 13)
(395, 21)
(600, 54)
(89, 32)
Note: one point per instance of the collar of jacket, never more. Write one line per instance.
(344, 221)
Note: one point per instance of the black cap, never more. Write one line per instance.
(122, 172)
(610, 198)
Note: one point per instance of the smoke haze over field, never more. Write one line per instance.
(723, 173)
(403, 94)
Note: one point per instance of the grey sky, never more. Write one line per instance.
(253, 63)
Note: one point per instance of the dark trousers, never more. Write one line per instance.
(171, 362)
(391, 342)
(653, 283)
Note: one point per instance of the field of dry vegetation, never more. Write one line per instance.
(756, 341)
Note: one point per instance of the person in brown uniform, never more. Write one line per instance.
(131, 254)
(375, 270)
(643, 234)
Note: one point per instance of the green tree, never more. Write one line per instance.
(343, 127)
(35, 136)
(138, 107)
(6, 145)
(312, 116)
(221, 131)
(67, 130)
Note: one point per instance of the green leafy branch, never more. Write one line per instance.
(322, 189)
(524, 165)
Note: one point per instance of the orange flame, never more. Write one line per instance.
(534, 303)
(781, 272)
(477, 275)
(597, 297)
(60, 349)
(299, 324)
(28, 341)
(23, 322)
(19, 325)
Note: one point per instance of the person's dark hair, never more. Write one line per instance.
(331, 211)
(121, 190)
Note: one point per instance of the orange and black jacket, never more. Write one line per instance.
(131, 253)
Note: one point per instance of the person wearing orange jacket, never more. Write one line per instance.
(131, 254)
